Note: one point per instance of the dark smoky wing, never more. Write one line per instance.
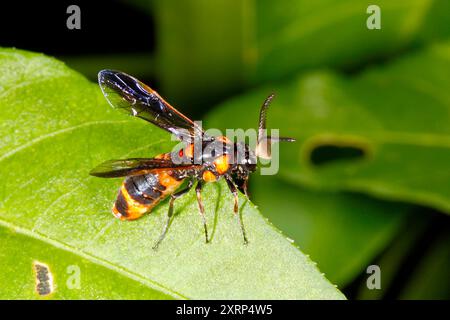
(132, 166)
(139, 100)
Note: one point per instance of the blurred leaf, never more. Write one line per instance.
(430, 279)
(214, 49)
(435, 25)
(56, 126)
(140, 65)
(384, 132)
(293, 36)
(199, 49)
(356, 227)
(395, 256)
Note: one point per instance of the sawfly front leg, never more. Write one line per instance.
(198, 190)
(170, 212)
(245, 188)
(234, 191)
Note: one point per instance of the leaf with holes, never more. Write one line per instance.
(385, 132)
(57, 231)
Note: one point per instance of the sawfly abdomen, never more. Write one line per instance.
(139, 194)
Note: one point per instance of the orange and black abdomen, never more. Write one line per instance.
(139, 194)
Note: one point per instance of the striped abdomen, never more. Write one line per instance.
(139, 194)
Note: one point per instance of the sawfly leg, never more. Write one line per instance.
(198, 191)
(173, 197)
(234, 191)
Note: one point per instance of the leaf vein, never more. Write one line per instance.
(55, 133)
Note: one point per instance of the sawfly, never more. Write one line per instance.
(150, 180)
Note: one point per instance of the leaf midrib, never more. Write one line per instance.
(57, 132)
(63, 246)
(92, 258)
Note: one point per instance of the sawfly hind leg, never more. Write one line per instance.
(173, 197)
(198, 191)
(234, 191)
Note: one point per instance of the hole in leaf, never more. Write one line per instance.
(329, 153)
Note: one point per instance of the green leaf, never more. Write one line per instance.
(217, 48)
(384, 132)
(55, 126)
(429, 278)
(199, 52)
(290, 37)
(357, 227)
(75, 275)
(393, 261)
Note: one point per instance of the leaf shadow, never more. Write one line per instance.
(216, 210)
